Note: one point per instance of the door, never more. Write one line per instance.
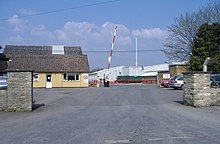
(48, 80)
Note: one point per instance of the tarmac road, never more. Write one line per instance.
(120, 114)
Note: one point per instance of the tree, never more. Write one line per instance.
(182, 33)
(206, 44)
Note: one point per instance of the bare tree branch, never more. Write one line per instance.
(182, 33)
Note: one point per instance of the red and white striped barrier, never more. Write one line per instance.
(110, 55)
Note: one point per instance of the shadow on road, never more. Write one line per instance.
(36, 106)
(172, 89)
(179, 102)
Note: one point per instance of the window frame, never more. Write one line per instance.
(76, 76)
(35, 79)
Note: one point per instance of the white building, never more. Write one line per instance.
(150, 72)
(154, 69)
(114, 72)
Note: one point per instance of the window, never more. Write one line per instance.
(71, 77)
(35, 77)
(180, 78)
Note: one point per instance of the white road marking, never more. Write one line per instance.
(168, 138)
(117, 141)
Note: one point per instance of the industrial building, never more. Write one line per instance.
(140, 74)
(115, 72)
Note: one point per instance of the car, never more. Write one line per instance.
(3, 83)
(215, 79)
(165, 83)
(176, 82)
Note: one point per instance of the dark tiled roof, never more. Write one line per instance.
(49, 63)
(41, 59)
(40, 50)
(72, 50)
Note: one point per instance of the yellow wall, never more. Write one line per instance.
(82, 81)
(79, 83)
(41, 82)
(57, 81)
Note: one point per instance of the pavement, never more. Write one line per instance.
(119, 114)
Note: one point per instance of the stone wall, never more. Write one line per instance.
(215, 96)
(19, 94)
(3, 99)
(196, 91)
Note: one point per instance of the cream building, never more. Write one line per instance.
(52, 66)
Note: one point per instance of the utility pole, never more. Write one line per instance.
(136, 63)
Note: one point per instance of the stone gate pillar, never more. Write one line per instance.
(196, 91)
(20, 91)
